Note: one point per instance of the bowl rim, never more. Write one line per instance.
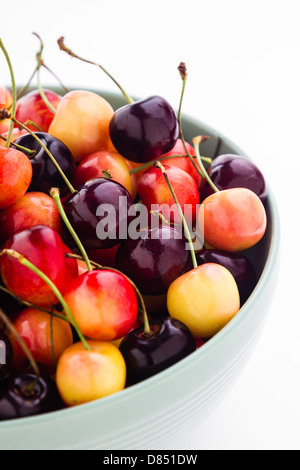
(188, 361)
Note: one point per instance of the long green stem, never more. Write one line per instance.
(68, 51)
(25, 262)
(186, 229)
(147, 329)
(196, 141)
(13, 89)
(54, 193)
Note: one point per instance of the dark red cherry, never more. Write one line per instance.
(99, 213)
(155, 260)
(234, 171)
(45, 174)
(144, 130)
(146, 355)
(25, 395)
(240, 267)
(5, 355)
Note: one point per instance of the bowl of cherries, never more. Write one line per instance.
(136, 271)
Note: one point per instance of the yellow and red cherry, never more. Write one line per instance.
(15, 176)
(101, 162)
(103, 303)
(34, 208)
(5, 102)
(43, 339)
(81, 122)
(31, 107)
(86, 375)
(154, 190)
(43, 247)
(232, 220)
(204, 299)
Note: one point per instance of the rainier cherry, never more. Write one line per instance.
(86, 375)
(81, 121)
(103, 304)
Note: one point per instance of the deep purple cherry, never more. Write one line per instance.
(145, 355)
(23, 395)
(240, 267)
(5, 355)
(154, 260)
(99, 213)
(144, 130)
(45, 174)
(234, 171)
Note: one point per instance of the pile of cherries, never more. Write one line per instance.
(93, 299)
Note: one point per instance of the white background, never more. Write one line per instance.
(243, 60)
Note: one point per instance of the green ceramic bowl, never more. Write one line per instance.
(156, 412)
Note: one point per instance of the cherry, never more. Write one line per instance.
(153, 190)
(99, 213)
(27, 395)
(35, 328)
(144, 130)
(44, 248)
(81, 121)
(34, 208)
(205, 299)
(83, 376)
(232, 219)
(234, 171)
(31, 107)
(104, 162)
(147, 354)
(6, 354)
(5, 102)
(240, 267)
(15, 175)
(155, 260)
(45, 174)
(103, 304)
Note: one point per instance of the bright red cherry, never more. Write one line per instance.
(43, 247)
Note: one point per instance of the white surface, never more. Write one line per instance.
(243, 60)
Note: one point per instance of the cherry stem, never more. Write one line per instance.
(39, 64)
(151, 163)
(196, 142)
(54, 193)
(186, 229)
(183, 74)
(25, 262)
(69, 52)
(22, 126)
(147, 330)
(4, 318)
(30, 305)
(14, 92)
